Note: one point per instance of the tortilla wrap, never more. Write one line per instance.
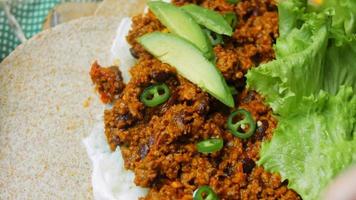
(47, 106)
(120, 8)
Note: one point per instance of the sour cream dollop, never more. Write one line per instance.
(110, 179)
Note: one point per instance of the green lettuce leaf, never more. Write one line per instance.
(317, 55)
(311, 88)
(340, 66)
(344, 12)
(298, 69)
(289, 15)
(311, 148)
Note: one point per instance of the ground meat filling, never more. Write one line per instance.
(108, 82)
(158, 143)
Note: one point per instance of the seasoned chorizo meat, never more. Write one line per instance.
(159, 143)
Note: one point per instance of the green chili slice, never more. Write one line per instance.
(214, 38)
(233, 1)
(231, 19)
(155, 95)
(204, 193)
(244, 127)
(210, 145)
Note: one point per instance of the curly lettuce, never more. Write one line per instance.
(340, 66)
(311, 88)
(298, 69)
(311, 147)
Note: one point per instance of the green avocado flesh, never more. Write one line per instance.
(208, 18)
(189, 62)
(182, 24)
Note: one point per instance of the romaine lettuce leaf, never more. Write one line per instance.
(311, 148)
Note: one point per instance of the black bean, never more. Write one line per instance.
(248, 14)
(134, 53)
(171, 101)
(256, 59)
(160, 76)
(202, 105)
(248, 165)
(116, 139)
(260, 131)
(124, 121)
(124, 117)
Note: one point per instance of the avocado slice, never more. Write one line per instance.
(189, 62)
(210, 19)
(182, 24)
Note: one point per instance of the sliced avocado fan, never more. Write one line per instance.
(208, 18)
(182, 24)
(189, 62)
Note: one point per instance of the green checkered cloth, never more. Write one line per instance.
(30, 14)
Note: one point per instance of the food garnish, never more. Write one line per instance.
(155, 95)
(210, 145)
(241, 124)
(314, 144)
(231, 19)
(182, 24)
(214, 38)
(311, 89)
(205, 193)
(233, 1)
(233, 90)
(189, 62)
(208, 18)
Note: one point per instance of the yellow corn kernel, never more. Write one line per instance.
(165, 30)
(316, 2)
